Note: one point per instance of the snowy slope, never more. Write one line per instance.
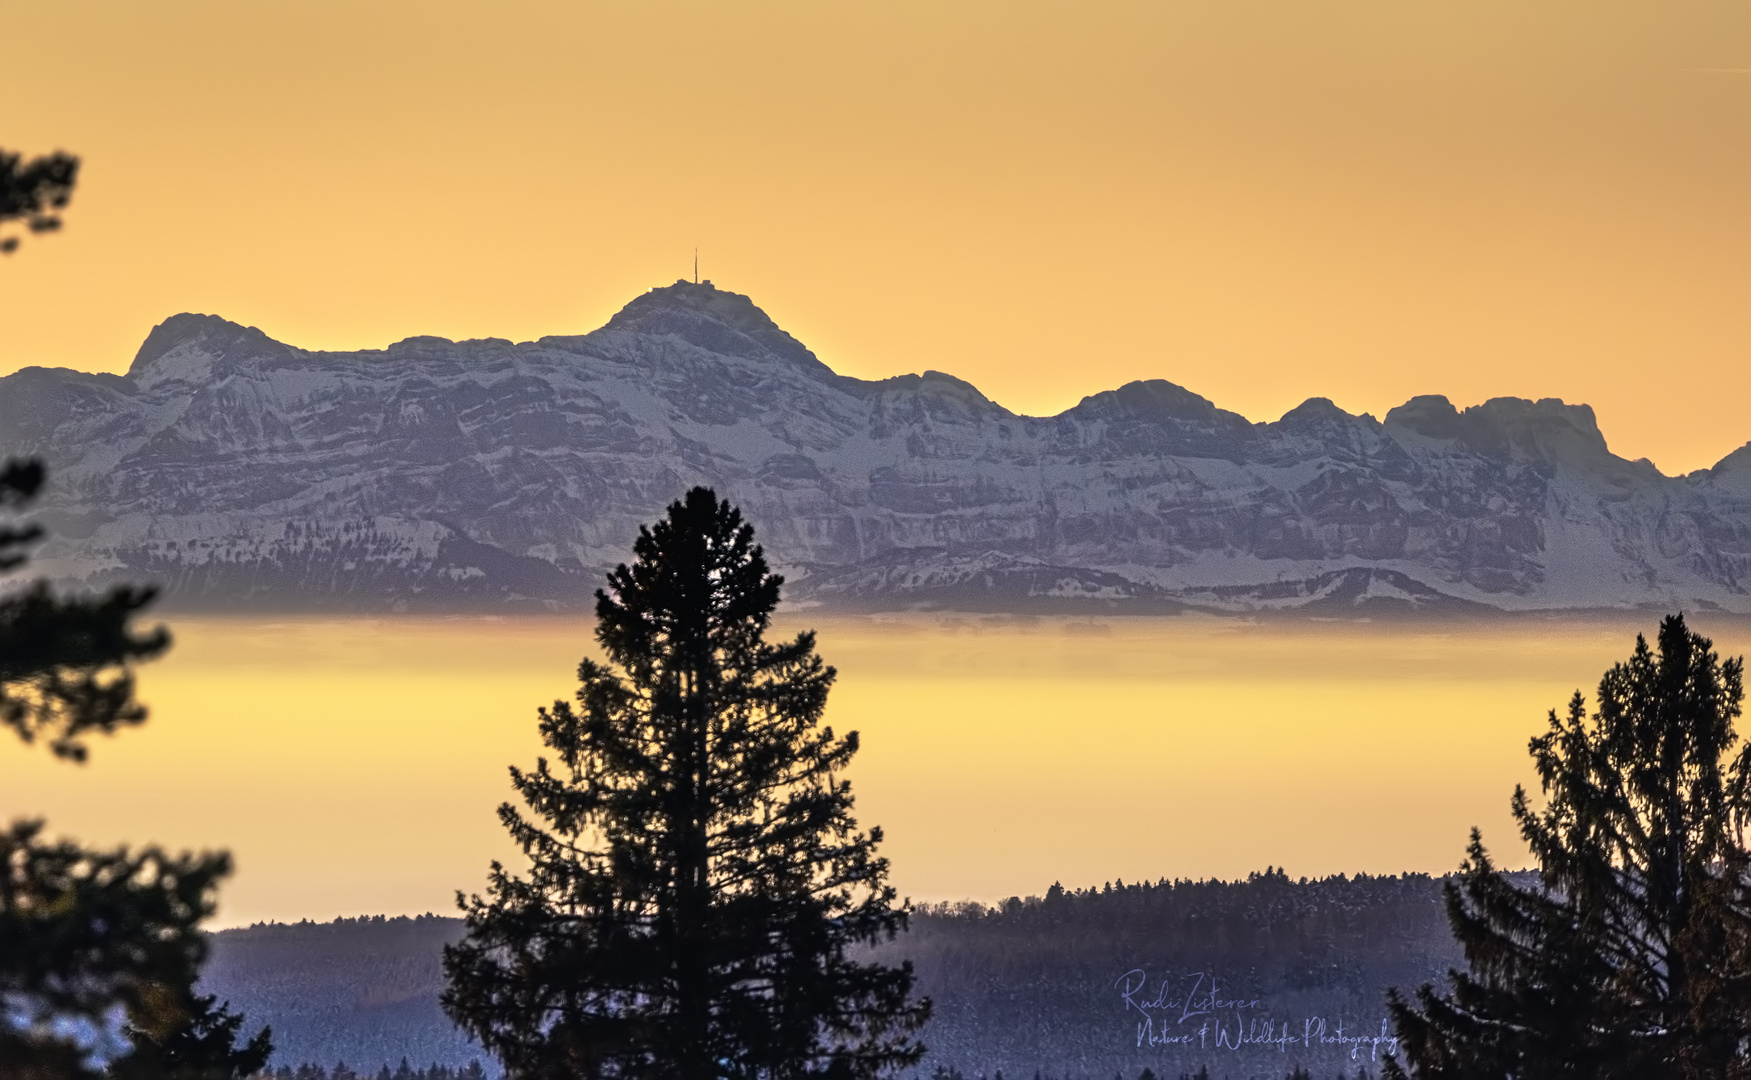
(439, 475)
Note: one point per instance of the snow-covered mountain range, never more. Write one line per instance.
(240, 472)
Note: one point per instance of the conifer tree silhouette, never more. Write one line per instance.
(34, 191)
(1631, 956)
(85, 932)
(697, 879)
(66, 662)
(200, 1044)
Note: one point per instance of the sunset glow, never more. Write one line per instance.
(354, 767)
(1271, 481)
(1262, 201)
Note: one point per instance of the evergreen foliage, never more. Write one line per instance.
(84, 932)
(65, 661)
(33, 191)
(697, 879)
(1631, 955)
(199, 1045)
(87, 933)
(404, 1071)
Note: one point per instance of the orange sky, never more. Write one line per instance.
(1262, 200)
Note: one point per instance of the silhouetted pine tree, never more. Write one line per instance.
(1634, 957)
(65, 661)
(697, 877)
(33, 191)
(200, 1043)
(84, 933)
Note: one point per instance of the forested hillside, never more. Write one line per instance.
(359, 991)
(1106, 981)
(1083, 983)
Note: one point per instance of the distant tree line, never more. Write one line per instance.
(363, 990)
(1203, 1073)
(1325, 946)
(1027, 985)
(404, 1071)
(473, 1071)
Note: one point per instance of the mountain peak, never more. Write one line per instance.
(1154, 401)
(186, 346)
(1736, 467)
(712, 318)
(1548, 429)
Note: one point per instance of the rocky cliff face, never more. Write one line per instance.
(439, 475)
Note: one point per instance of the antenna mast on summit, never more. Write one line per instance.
(695, 266)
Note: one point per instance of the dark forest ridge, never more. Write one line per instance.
(1024, 985)
(485, 475)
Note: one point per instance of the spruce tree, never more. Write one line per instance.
(1630, 955)
(697, 882)
(66, 662)
(85, 934)
(200, 1043)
